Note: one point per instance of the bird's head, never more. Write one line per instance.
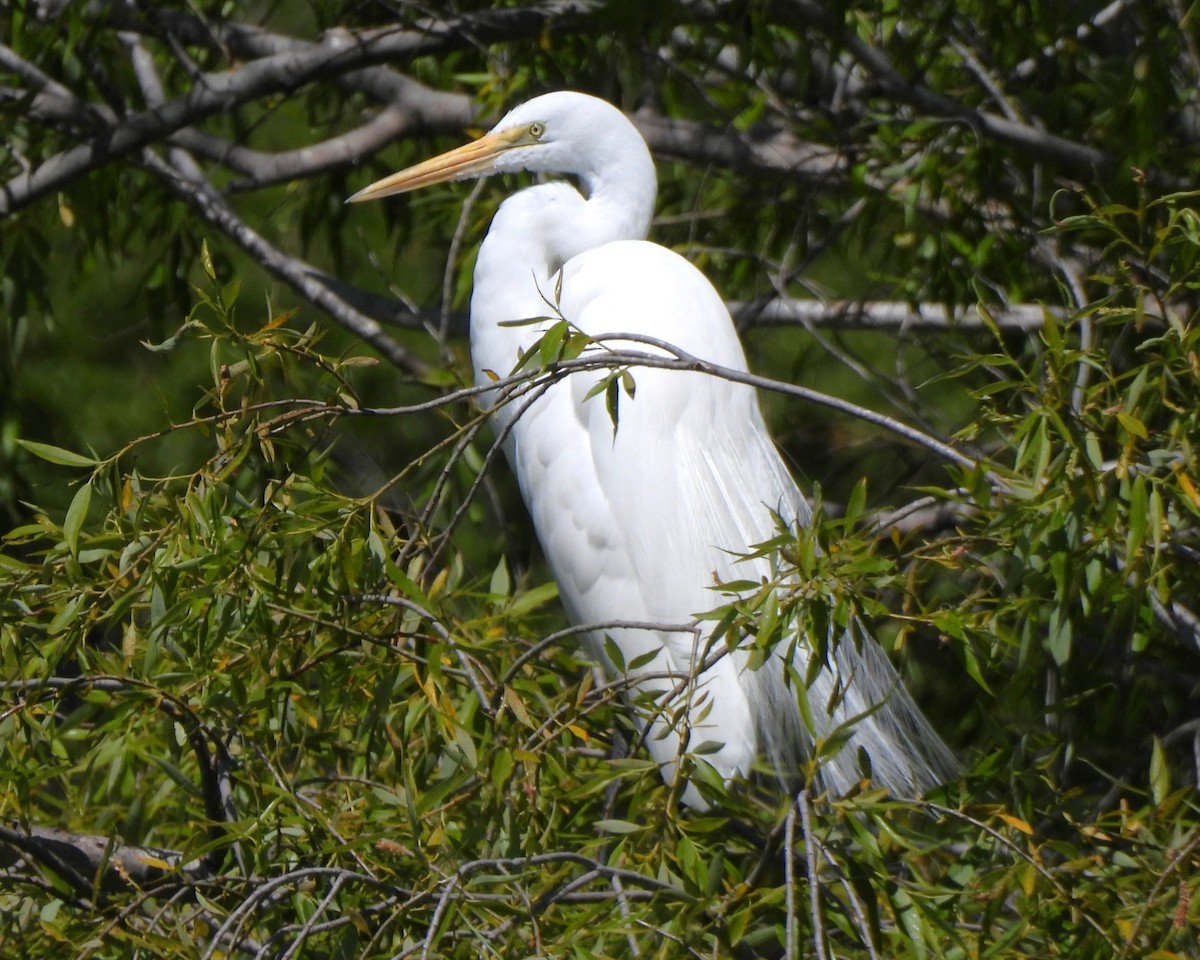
(561, 132)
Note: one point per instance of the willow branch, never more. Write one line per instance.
(199, 194)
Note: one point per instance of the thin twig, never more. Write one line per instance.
(814, 879)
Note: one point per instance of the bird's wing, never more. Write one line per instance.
(688, 468)
(693, 479)
(584, 539)
(688, 473)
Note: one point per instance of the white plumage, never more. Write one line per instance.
(637, 523)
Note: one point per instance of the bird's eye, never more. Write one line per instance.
(536, 129)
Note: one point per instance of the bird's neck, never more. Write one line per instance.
(622, 197)
(533, 235)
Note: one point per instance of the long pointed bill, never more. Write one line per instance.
(474, 159)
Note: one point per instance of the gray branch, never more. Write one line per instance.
(338, 53)
(88, 862)
(1083, 160)
(889, 315)
(774, 151)
(262, 169)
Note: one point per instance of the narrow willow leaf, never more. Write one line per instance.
(613, 652)
(52, 454)
(533, 598)
(76, 515)
(1160, 773)
(628, 383)
(575, 345)
(527, 322)
(616, 826)
(1017, 824)
(643, 660)
(1136, 534)
(856, 503)
(502, 768)
(501, 583)
(1189, 489)
(550, 346)
(612, 400)
(206, 260)
(1133, 425)
(13, 564)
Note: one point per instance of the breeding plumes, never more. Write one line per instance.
(639, 518)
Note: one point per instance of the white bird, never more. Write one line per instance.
(639, 520)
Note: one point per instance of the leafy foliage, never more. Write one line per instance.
(314, 703)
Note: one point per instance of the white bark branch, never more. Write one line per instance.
(889, 315)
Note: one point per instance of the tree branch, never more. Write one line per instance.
(890, 315)
(88, 862)
(1079, 158)
(775, 151)
(338, 53)
(263, 169)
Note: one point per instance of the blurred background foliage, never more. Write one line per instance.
(269, 603)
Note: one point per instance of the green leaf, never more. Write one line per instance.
(13, 564)
(206, 260)
(550, 346)
(1136, 534)
(598, 388)
(617, 826)
(57, 455)
(643, 659)
(1059, 635)
(612, 400)
(628, 383)
(527, 322)
(501, 583)
(613, 652)
(1133, 425)
(1160, 773)
(76, 515)
(971, 663)
(502, 768)
(65, 616)
(575, 345)
(1051, 331)
(857, 501)
(533, 598)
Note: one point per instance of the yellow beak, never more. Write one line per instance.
(473, 159)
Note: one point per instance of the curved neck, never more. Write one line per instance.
(621, 186)
(538, 230)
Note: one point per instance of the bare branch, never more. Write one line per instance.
(1077, 157)
(263, 169)
(775, 151)
(338, 52)
(87, 861)
(831, 314)
(681, 360)
(1027, 67)
(889, 315)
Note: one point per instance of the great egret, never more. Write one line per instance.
(638, 521)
